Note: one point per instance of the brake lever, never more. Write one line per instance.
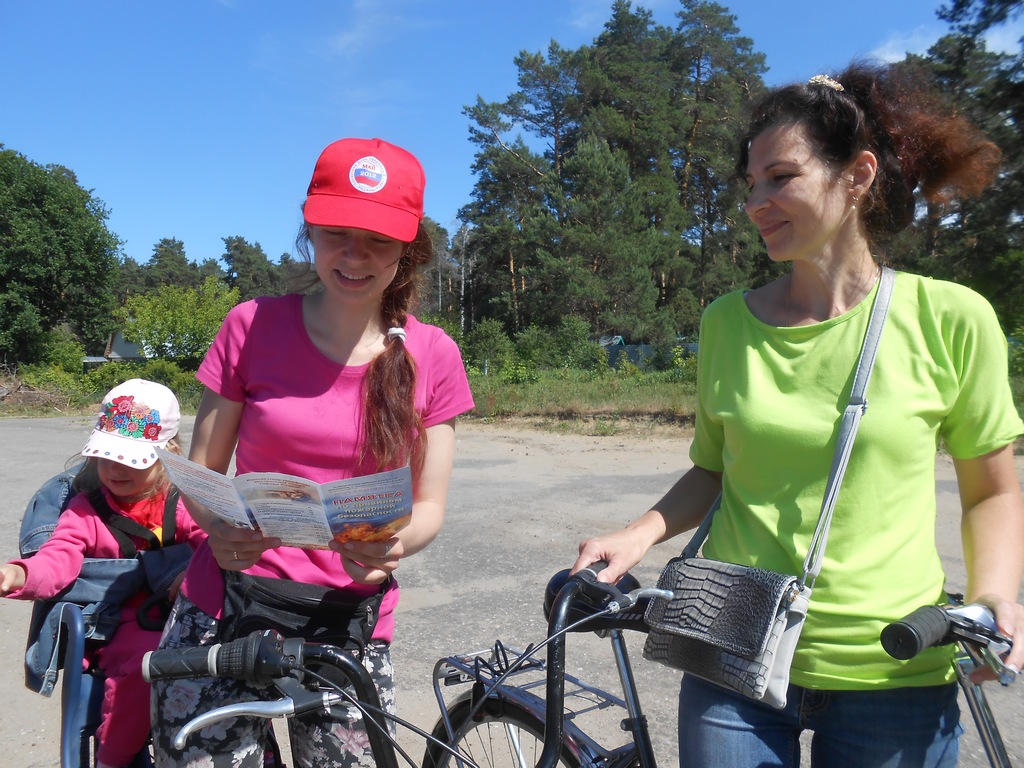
(592, 589)
(653, 592)
(976, 624)
(296, 700)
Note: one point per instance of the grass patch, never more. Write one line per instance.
(623, 402)
(581, 402)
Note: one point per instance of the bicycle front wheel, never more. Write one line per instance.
(512, 739)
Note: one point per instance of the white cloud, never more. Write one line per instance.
(899, 44)
(1003, 39)
(590, 16)
(1006, 38)
(371, 21)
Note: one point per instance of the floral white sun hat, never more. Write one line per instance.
(135, 419)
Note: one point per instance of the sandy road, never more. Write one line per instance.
(519, 504)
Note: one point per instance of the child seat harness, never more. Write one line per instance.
(123, 528)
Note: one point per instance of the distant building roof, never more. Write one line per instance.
(120, 349)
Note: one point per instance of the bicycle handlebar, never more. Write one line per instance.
(925, 627)
(257, 659)
(610, 599)
(932, 625)
(266, 658)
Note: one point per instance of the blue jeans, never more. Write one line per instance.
(897, 728)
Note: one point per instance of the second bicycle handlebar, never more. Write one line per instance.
(932, 625)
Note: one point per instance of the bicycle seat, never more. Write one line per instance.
(632, 618)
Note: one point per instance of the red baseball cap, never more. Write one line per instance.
(367, 184)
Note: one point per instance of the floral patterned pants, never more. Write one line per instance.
(243, 742)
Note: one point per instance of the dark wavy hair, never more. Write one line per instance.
(394, 429)
(922, 145)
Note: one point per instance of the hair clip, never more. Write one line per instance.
(827, 81)
(396, 333)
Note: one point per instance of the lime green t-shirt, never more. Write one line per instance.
(771, 400)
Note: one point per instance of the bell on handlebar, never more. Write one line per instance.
(579, 608)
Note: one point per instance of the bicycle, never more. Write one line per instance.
(972, 627)
(266, 658)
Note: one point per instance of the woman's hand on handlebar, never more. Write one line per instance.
(1010, 622)
(621, 550)
(370, 562)
(682, 508)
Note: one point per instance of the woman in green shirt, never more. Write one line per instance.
(832, 166)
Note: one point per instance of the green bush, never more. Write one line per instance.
(592, 357)
(62, 349)
(536, 347)
(88, 388)
(488, 347)
(164, 372)
(52, 378)
(447, 324)
(104, 378)
(684, 366)
(519, 372)
(1016, 351)
(626, 368)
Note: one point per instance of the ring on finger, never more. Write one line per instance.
(235, 554)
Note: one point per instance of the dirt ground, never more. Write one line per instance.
(520, 503)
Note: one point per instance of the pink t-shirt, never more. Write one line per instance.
(303, 416)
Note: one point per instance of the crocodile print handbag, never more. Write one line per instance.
(736, 625)
(730, 624)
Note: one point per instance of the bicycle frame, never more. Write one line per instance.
(966, 661)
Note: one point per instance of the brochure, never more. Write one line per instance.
(298, 511)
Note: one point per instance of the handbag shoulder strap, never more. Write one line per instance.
(844, 443)
(692, 547)
(850, 423)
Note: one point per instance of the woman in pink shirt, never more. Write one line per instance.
(329, 384)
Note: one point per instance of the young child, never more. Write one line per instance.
(121, 464)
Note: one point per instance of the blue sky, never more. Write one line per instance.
(202, 119)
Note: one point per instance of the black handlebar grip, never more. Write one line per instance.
(595, 567)
(925, 627)
(251, 658)
(175, 663)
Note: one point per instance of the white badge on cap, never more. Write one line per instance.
(368, 175)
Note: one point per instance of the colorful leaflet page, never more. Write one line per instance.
(298, 511)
